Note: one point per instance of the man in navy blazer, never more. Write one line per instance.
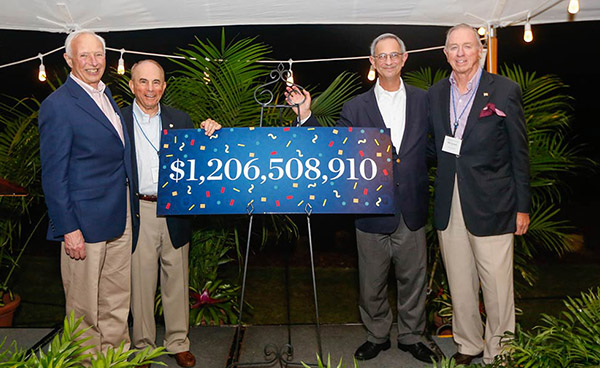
(398, 239)
(157, 241)
(86, 163)
(481, 192)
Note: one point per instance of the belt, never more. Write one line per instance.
(149, 198)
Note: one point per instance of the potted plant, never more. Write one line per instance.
(19, 167)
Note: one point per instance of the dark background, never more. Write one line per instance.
(564, 49)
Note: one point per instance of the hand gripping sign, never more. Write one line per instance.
(275, 170)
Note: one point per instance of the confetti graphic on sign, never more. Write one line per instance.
(276, 170)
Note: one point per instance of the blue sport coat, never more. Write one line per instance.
(85, 166)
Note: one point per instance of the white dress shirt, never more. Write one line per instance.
(147, 140)
(392, 106)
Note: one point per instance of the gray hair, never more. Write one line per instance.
(386, 36)
(72, 36)
(463, 26)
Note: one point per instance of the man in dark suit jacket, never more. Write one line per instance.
(398, 239)
(86, 164)
(157, 240)
(481, 191)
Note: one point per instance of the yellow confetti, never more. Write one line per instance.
(340, 152)
(189, 209)
(388, 149)
(174, 193)
(236, 189)
(165, 184)
(324, 201)
(335, 131)
(175, 139)
(171, 155)
(166, 145)
(295, 185)
(288, 144)
(263, 199)
(379, 187)
(241, 145)
(376, 142)
(378, 154)
(251, 154)
(251, 128)
(345, 139)
(355, 200)
(355, 185)
(311, 129)
(299, 203)
(202, 205)
(202, 148)
(311, 197)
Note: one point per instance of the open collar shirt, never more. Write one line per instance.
(460, 104)
(392, 106)
(146, 131)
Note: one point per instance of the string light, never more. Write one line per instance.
(482, 31)
(42, 70)
(573, 6)
(371, 75)
(121, 67)
(290, 79)
(528, 35)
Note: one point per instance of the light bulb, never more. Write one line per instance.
(121, 67)
(371, 75)
(290, 79)
(528, 35)
(482, 31)
(42, 73)
(573, 6)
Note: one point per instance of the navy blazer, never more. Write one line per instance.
(85, 166)
(493, 166)
(410, 167)
(179, 226)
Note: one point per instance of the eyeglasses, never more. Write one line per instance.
(383, 56)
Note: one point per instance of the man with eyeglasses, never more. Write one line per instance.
(398, 239)
(481, 192)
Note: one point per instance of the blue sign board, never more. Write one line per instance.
(275, 170)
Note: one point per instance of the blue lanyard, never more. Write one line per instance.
(456, 119)
(144, 133)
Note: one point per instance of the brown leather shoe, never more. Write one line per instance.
(464, 358)
(185, 359)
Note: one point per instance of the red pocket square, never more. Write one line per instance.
(491, 109)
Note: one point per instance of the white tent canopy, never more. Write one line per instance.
(124, 15)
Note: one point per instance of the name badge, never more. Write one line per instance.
(452, 145)
(154, 175)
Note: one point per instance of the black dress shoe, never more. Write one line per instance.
(369, 350)
(464, 358)
(420, 352)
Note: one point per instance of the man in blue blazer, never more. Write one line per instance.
(86, 163)
(398, 239)
(157, 241)
(481, 192)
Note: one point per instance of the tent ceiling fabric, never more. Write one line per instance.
(119, 15)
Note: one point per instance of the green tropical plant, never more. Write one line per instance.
(320, 363)
(20, 165)
(69, 350)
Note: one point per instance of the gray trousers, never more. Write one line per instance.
(406, 250)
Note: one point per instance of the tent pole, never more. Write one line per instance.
(492, 53)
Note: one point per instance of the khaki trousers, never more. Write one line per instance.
(154, 246)
(97, 288)
(472, 261)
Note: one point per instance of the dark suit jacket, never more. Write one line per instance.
(410, 168)
(493, 165)
(179, 226)
(84, 166)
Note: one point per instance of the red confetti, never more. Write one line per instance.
(349, 129)
(222, 190)
(362, 154)
(331, 144)
(168, 205)
(231, 202)
(286, 129)
(165, 132)
(277, 203)
(366, 191)
(207, 194)
(192, 143)
(385, 172)
(274, 152)
(289, 197)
